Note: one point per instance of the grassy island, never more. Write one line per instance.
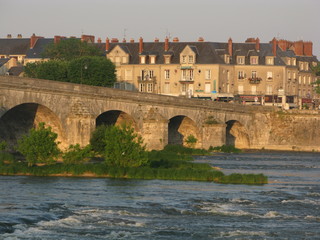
(113, 160)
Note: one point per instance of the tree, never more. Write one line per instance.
(39, 145)
(68, 49)
(316, 71)
(191, 141)
(51, 70)
(124, 148)
(97, 140)
(96, 71)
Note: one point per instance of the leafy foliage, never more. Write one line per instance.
(3, 146)
(77, 154)
(51, 70)
(39, 145)
(68, 49)
(225, 149)
(124, 148)
(97, 140)
(191, 141)
(97, 71)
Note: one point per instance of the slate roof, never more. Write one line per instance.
(36, 51)
(14, 46)
(16, 71)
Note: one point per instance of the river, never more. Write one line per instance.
(98, 208)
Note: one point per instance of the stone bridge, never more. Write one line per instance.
(74, 111)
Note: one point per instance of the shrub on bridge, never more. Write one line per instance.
(39, 145)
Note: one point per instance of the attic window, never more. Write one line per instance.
(254, 60)
(184, 59)
(240, 60)
(191, 60)
(227, 59)
(269, 61)
(167, 59)
(152, 59)
(142, 59)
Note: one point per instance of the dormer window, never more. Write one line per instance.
(289, 61)
(152, 59)
(307, 67)
(191, 60)
(254, 60)
(294, 62)
(301, 66)
(227, 59)
(184, 59)
(167, 59)
(240, 60)
(270, 61)
(143, 59)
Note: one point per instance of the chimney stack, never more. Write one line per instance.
(175, 39)
(230, 46)
(114, 40)
(140, 45)
(107, 44)
(156, 40)
(99, 40)
(19, 36)
(307, 49)
(274, 46)
(258, 45)
(131, 40)
(298, 48)
(33, 40)
(56, 39)
(166, 44)
(200, 39)
(9, 36)
(124, 40)
(87, 38)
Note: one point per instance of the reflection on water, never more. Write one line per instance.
(94, 208)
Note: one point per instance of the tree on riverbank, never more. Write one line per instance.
(39, 145)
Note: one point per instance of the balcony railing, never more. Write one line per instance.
(146, 79)
(187, 79)
(255, 80)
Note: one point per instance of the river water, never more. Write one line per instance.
(97, 208)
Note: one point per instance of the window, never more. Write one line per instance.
(227, 59)
(166, 87)
(228, 75)
(146, 74)
(167, 59)
(183, 88)
(294, 76)
(149, 87)
(191, 59)
(288, 61)
(304, 79)
(301, 66)
(299, 79)
(294, 61)
(152, 59)
(269, 75)
(141, 87)
(240, 60)
(187, 74)
(117, 60)
(208, 74)
(254, 60)
(167, 74)
(253, 74)
(269, 60)
(307, 67)
(184, 59)
(241, 75)
(289, 75)
(207, 87)
(142, 59)
(309, 80)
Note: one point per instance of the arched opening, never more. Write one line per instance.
(20, 119)
(180, 128)
(115, 117)
(236, 135)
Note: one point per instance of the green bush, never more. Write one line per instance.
(124, 148)
(97, 140)
(191, 141)
(77, 154)
(39, 145)
(225, 149)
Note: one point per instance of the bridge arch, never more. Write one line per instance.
(179, 128)
(237, 134)
(116, 117)
(18, 120)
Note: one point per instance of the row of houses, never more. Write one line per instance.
(275, 73)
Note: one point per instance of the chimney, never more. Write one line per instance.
(274, 46)
(250, 40)
(257, 44)
(156, 40)
(166, 44)
(200, 39)
(175, 39)
(283, 44)
(124, 40)
(33, 40)
(19, 36)
(99, 40)
(140, 45)
(298, 48)
(230, 46)
(114, 40)
(107, 44)
(56, 39)
(131, 40)
(9, 36)
(307, 49)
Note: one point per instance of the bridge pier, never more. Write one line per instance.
(213, 135)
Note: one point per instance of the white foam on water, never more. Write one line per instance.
(305, 201)
(314, 194)
(239, 233)
(22, 232)
(119, 235)
(312, 218)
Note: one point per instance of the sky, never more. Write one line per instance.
(214, 20)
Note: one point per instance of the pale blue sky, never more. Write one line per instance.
(215, 20)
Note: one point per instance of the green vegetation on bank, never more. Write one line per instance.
(124, 156)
